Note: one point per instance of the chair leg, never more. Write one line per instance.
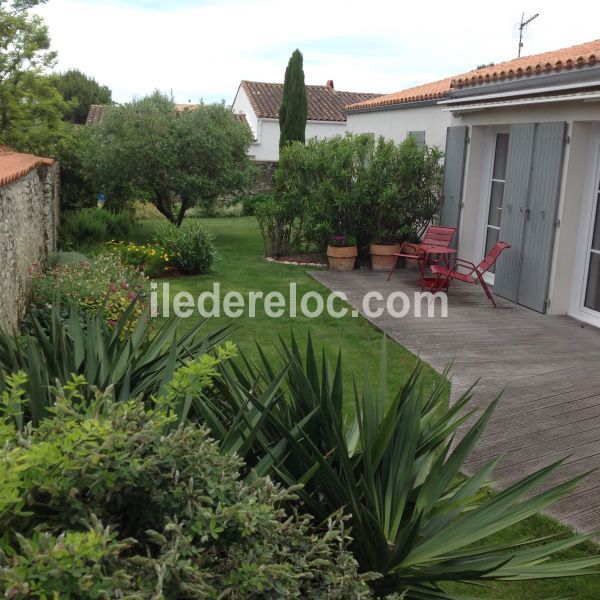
(393, 268)
(487, 291)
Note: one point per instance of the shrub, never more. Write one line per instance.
(190, 246)
(146, 211)
(89, 226)
(249, 202)
(404, 185)
(65, 258)
(138, 363)
(149, 258)
(280, 225)
(103, 282)
(394, 467)
(111, 501)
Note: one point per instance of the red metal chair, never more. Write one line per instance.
(474, 273)
(436, 235)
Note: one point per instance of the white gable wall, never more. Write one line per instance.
(395, 124)
(241, 104)
(267, 145)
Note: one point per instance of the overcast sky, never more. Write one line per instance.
(202, 49)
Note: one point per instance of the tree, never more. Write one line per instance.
(31, 108)
(294, 104)
(82, 91)
(146, 150)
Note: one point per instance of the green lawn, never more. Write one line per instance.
(243, 268)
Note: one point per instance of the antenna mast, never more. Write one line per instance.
(522, 26)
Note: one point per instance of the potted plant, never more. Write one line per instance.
(382, 253)
(342, 252)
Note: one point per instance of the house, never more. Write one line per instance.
(414, 111)
(259, 103)
(522, 164)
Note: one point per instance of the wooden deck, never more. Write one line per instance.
(548, 366)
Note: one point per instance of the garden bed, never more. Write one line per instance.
(307, 260)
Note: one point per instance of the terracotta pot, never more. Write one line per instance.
(342, 258)
(382, 256)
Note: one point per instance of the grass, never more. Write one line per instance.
(243, 268)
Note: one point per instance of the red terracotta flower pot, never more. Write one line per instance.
(382, 256)
(341, 258)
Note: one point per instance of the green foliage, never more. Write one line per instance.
(394, 468)
(190, 247)
(293, 111)
(250, 201)
(103, 283)
(145, 150)
(404, 184)
(31, 108)
(111, 501)
(353, 185)
(145, 211)
(90, 226)
(136, 364)
(152, 259)
(65, 258)
(81, 92)
(280, 225)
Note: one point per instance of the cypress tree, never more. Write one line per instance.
(294, 104)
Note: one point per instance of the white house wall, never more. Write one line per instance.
(241, 104)
(580, 118)
(395, 124)
(267, 146)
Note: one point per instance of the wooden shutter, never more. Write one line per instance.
(454, 172)
(514, 203)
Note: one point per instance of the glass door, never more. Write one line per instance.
(492, 228)
(592, 290)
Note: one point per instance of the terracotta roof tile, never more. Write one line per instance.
(420, 93)
(324, 102)
(14, 165)
(574, 57)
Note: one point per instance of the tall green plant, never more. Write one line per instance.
(135, 361)
(393, 467)
(294, 104)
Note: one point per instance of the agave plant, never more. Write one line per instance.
(137, 364)
(393, 468)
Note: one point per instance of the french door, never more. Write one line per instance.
(591, 299)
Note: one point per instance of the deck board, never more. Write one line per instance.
(546, 366)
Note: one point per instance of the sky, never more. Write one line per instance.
(202, 49)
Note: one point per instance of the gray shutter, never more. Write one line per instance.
(454, 171)
(544, 189)
(518, 167)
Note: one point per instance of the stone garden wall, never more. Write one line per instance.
(29, 214)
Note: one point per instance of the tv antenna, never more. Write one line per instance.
(524, 23)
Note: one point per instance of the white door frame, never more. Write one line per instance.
(589, 206)
(486, 193)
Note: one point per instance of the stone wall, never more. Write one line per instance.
(29, 215)
(265, 183)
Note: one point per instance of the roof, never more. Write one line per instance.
(14, 165)
(419, 93)
(573, 57)
(96, 114)
(324, 102)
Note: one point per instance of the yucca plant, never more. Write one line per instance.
(137, 361)
(395, 468)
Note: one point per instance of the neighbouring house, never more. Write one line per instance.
(259, 104)
(29, 214)
(522, 164)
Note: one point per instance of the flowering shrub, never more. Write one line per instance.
(103, 282)
(341, 241)
(152, 259)
(190, 246)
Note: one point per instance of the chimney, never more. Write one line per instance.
(329, 84)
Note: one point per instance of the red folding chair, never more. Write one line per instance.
(473, 273)
(436, 235)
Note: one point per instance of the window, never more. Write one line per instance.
(492, 232)
(418, 136)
